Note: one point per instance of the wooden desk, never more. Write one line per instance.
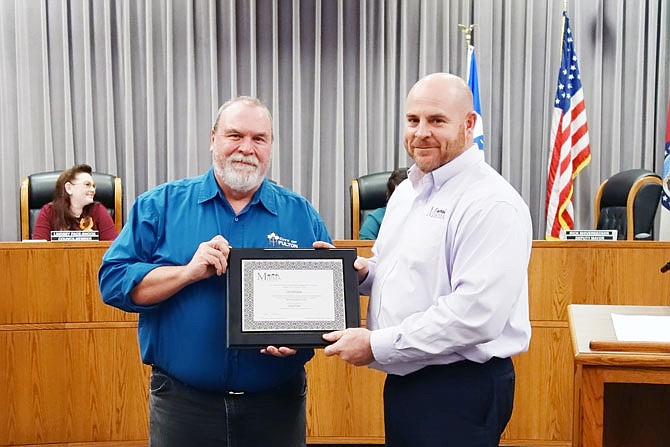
(344, 403)
(69, 365)
(70, 368)
(620, 398)
(573, 272)
(72, 373)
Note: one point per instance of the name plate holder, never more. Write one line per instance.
(74, 236)
(588, 235)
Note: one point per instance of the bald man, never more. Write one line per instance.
(447, 282)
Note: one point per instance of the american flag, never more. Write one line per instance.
(570, 149)
(664, 233)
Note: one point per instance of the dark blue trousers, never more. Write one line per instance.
(464, 404)
(181, 416)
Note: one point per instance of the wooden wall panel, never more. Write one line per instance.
(542, 407)
(70, 365)
(49, 283)
(345, 402)
(70, 368)
(72, 385)
(562, 273)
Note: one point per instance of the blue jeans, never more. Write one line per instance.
(180, 415)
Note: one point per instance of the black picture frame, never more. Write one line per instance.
(242, 263)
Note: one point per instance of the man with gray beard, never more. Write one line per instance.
(169, 265)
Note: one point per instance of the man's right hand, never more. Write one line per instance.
(211, 258)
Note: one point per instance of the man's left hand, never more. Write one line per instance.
(278, 352)
(351, 345)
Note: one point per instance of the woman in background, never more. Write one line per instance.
(373, 222)
(73, 207)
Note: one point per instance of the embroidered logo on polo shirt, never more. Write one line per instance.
(437, 213)
(276, 240)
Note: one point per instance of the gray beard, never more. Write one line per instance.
(238, 180)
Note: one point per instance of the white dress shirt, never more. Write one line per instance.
(448, 279)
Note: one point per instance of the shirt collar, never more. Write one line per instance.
(447, 171)
(209, 189)
(267, 196)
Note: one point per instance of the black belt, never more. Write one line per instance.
(191, 387)
(298, 380)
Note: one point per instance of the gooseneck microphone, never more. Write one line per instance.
(666, 267)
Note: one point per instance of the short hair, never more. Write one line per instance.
(250, 100)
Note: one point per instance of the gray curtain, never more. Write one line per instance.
(131, 87)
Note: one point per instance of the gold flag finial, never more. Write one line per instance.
(467, 31)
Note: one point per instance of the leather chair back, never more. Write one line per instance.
(368, 193)
(627, 202)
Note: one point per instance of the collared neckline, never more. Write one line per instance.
(444, 173)
(209, 189)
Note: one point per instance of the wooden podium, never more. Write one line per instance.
(621, 397)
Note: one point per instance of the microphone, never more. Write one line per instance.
(666, 267)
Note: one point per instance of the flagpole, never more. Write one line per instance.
(472, 79)
(565, 13)
(467, 32)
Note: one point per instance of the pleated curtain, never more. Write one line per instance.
(131, 87)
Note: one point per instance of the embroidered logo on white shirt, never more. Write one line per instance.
(277, 241)
(437, 213)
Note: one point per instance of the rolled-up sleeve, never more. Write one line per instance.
(127, 261)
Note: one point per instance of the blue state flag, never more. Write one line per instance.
(473, 83)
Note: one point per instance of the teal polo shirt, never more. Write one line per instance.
(185, 335)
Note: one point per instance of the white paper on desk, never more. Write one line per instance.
(641, 327)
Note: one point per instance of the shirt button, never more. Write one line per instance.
(237, 219)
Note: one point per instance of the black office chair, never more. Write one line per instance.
(38, 189)
(368, 193)
(627, 202)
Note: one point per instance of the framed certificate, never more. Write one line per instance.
(290, 297)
